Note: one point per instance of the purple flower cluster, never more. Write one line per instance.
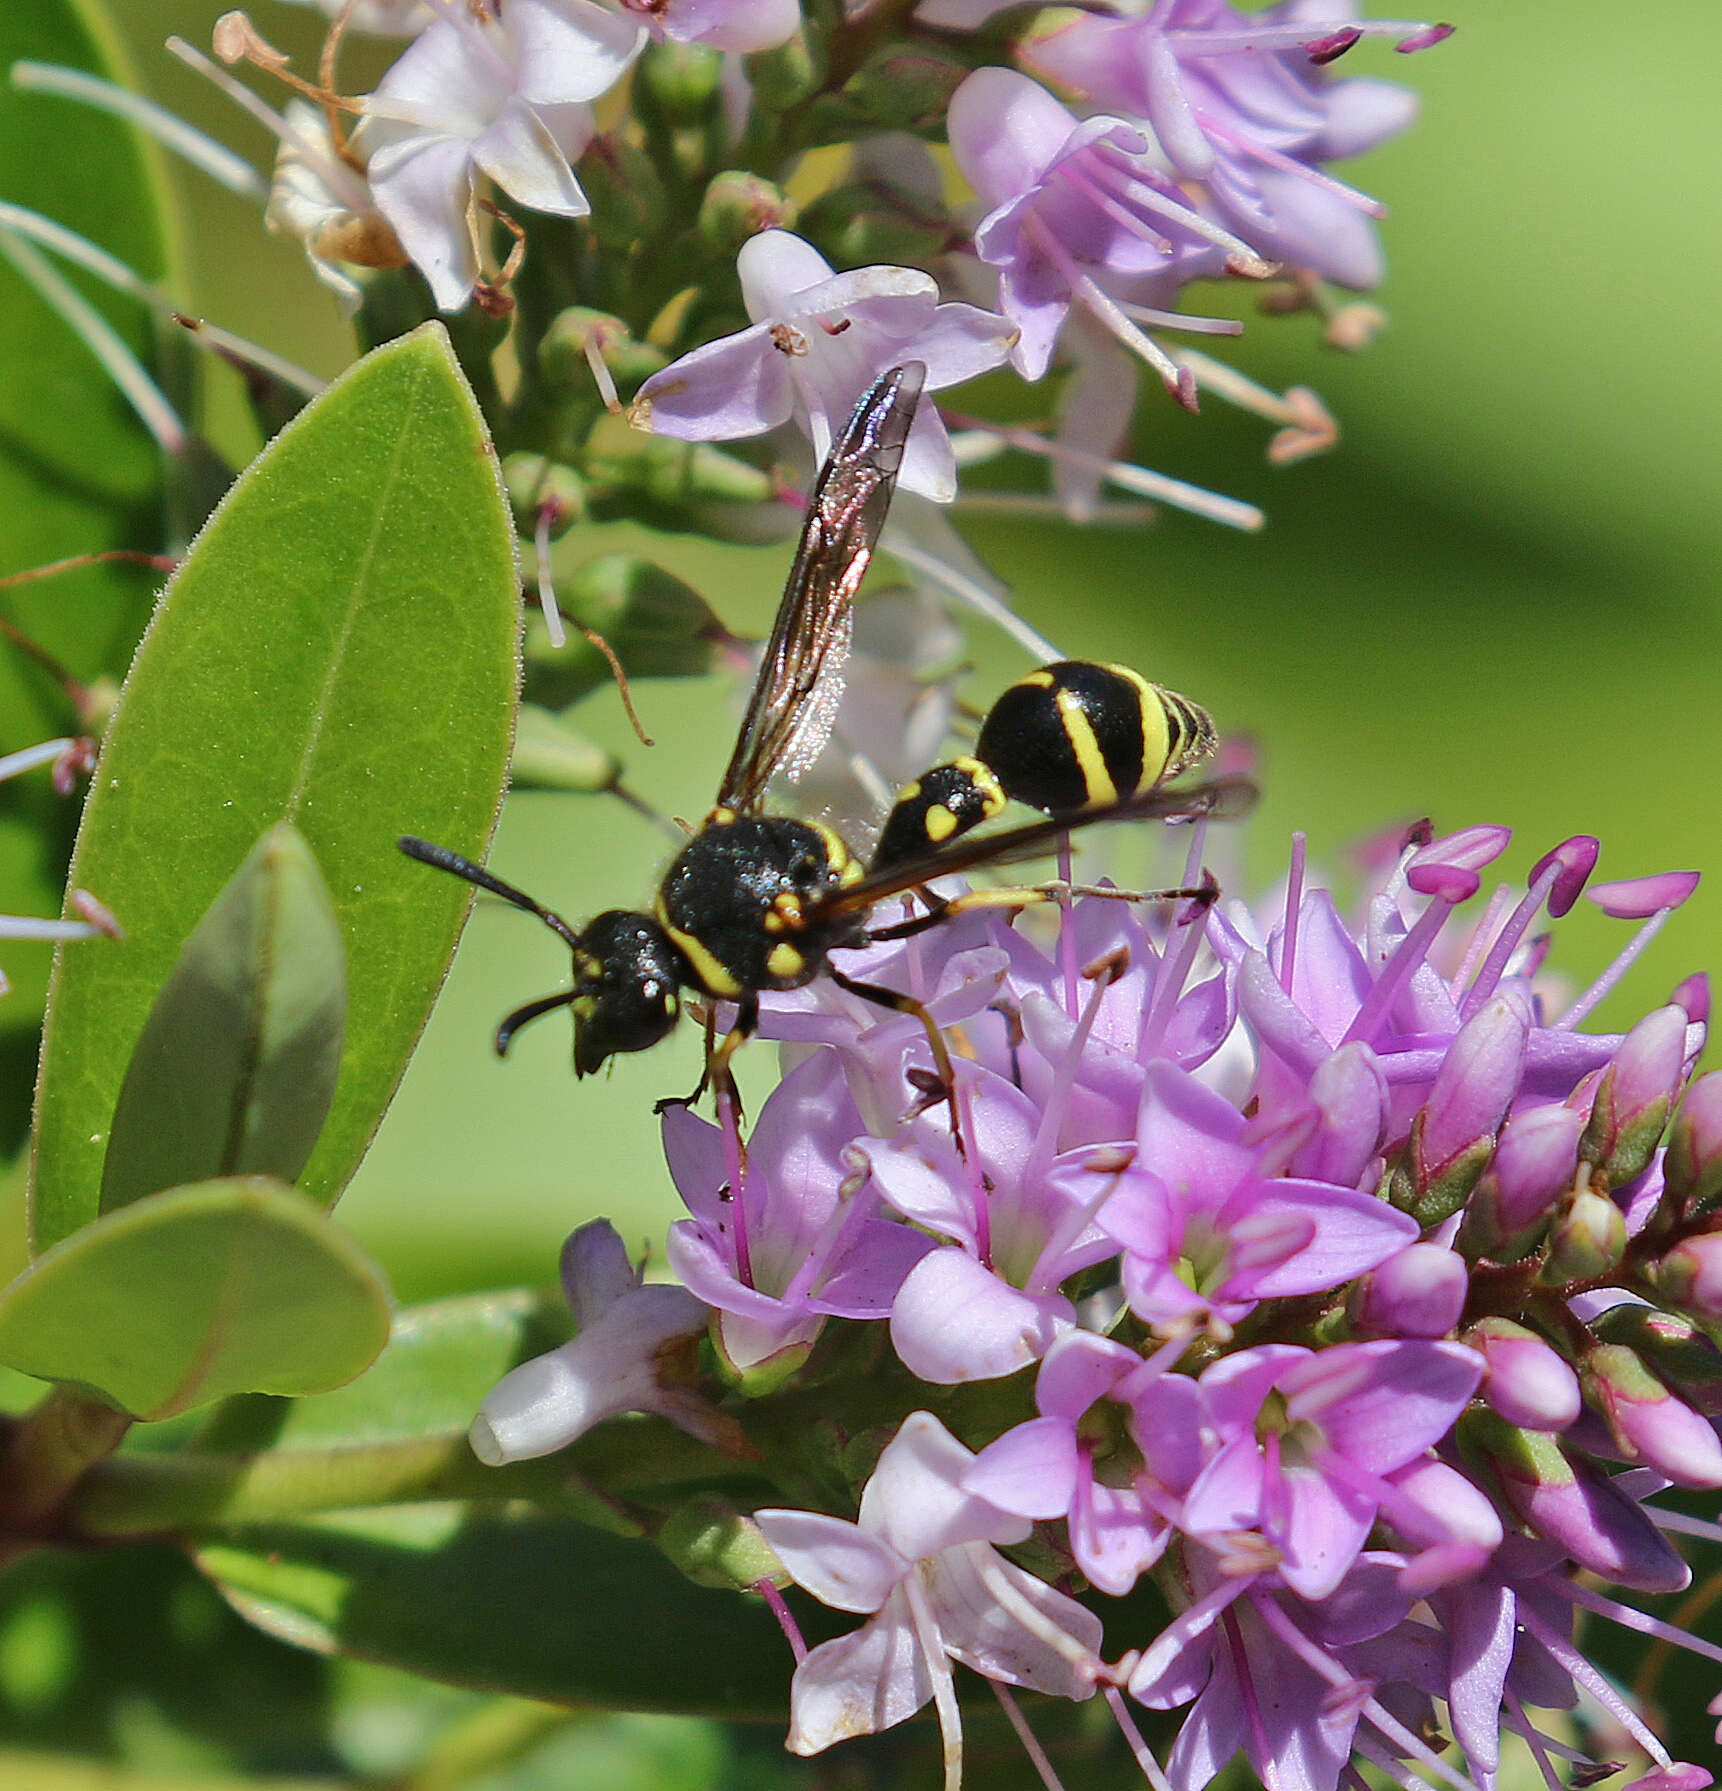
(1327, 1273)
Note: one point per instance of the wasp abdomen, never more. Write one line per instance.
(741, 901)
(938, 806)
(1077, 734)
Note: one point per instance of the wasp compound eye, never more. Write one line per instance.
(626, 973)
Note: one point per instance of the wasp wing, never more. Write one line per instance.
(800, 682)
(1222, 799)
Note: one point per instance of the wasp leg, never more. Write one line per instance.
(900, 1003)
(705, 1074)
(724, 1092)
(1029, 895)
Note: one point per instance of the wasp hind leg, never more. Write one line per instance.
(1030, 895)
(899, 1003)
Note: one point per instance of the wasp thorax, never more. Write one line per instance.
(626, 974)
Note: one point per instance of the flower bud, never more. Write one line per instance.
(704, 487)
(1679, 1352)
(1692, 994)
(1532, 1168)
(1647, 1422)
(626, 190)
(563, 348)
(1419, 1292)
(677, 82)
(858, 226)
(902, 88)
(737, 205)
(550, 755)
(794, 71)
(1586, 1241)
(1690, 1276)
(1572, 1504)
(535, 484)
(1635, 1096)
(716, 1545)
(1692, 1164)
(1526, 1380)
(1453, 1137)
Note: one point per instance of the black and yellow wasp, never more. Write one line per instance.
(757, 902)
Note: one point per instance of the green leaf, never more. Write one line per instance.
(441, 1360)
(236, 1067)
(78, 472)
(338, 651)
(507, 1599)
(181, 1298)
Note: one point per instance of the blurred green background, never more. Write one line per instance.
(1497, 600)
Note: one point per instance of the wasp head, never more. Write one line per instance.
(626, 974)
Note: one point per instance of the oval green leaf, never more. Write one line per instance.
(78, 472)
(184, 1297)
(338, 651)
(236, 1067)
(508, 1599)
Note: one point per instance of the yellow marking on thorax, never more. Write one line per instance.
(1079, 731)
(939, 823)
(785, 960)
(848, 867)
(714, 977)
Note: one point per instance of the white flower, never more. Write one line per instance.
(327, 205)
(503, 90)
(383, 18)
(921, 1560)
(818, 340)
(625, 1330)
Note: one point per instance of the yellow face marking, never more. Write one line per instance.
(1097, 783)
(939, 823)
(986, 784)
(785, 961)
(909, 792)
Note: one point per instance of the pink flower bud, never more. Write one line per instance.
(1635, 1095)
(1692, 1165)
(1647, 1421)
(1526, 1380)
(1693, 994)
(1690, 1276)
(1569, 1502)
(1454, 1135)
(1533, 1165)
(1420, 1292)
(1675, 1348)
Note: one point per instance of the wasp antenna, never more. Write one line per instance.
(442, 859)
(525, 1014)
